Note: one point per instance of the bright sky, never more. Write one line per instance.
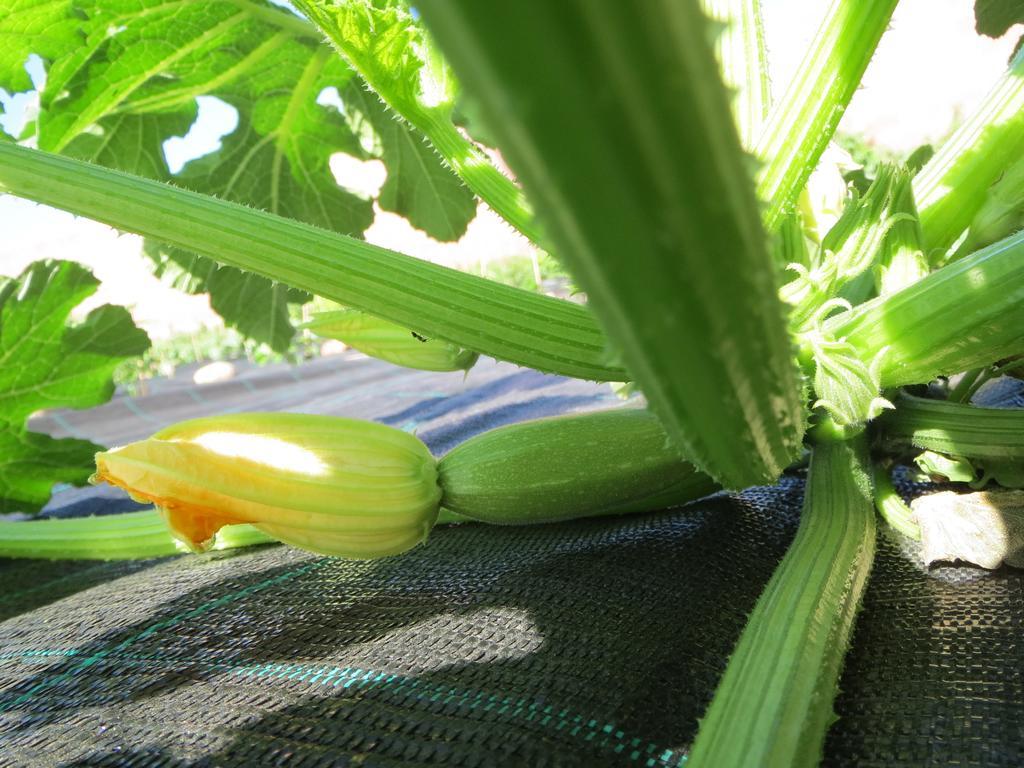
(930, 68)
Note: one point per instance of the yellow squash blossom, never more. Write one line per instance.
(331, 485)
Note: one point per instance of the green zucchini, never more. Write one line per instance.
(603, 463)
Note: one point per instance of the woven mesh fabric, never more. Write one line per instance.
(590, 643)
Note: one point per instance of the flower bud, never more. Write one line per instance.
(393, 343)
(327, 484)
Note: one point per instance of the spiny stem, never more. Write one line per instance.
(740, 50)
(969, 431)
(655, 217)
(965, 315)
(804, 120)
(952, 187)
(510, 324)
(774, 703)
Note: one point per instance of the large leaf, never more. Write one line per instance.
(384, 42)
(995, 17)
(418, 187)
(45, 363)
(31, 26)
(132, 80)
(619, 126)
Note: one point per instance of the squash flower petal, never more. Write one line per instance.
(327, 484)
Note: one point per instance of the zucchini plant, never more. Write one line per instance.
(650, 159)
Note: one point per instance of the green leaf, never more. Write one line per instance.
(31, 463)
(382, 41)
(130, 142)
(31, 26)
(995, 17)
(419, 186)
(131, 82)
(953, 469)
(620, 128)
(45, 363)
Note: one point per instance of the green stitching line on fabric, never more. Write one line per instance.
(132, 406)
(615, 739)
(172, 621)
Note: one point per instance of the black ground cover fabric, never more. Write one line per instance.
(589, 643)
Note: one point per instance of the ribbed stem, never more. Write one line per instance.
(740, 50)
(962, 316)
(619, 128)
(128, 536)
(803, 121)
(952, 187)
(774, 703)
(957, 429)
(507, 323)
(891, 506)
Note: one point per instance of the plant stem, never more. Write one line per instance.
(510, 324)
(891, 506)
(128, 536)
(969, 431)
(773, 705)
(965, 388)
(740, 50)
(953, 186)
(965, 315)
(646, 193)
(804, 120)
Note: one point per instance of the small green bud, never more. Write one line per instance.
(393, 343)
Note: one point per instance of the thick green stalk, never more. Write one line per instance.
(891, 506)
(956, 429)
(1001, 214)
(967, 314)
(383, 44)
(804, 120)
(952, 187)
(507, 323)
(619, 128)
(129, 536)
(741, 54)
(773, 705)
